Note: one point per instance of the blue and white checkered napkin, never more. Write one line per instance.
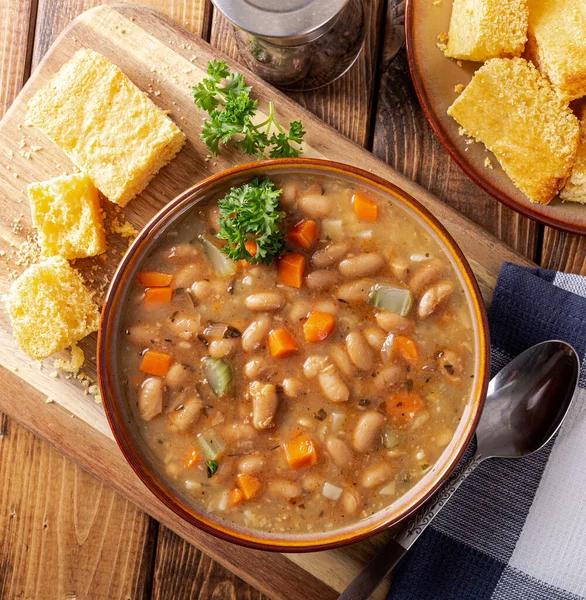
(516, 530)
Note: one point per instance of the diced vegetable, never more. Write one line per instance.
(391, 438)
(406, 348)
(236, 496)
(158, 295)
(403, 407)
(290, 269)
(332, 228)
(153, 279)
(318, 326)
(191, 459)
(222, 265)
(211, 444)
(331, 492)
(393, 299)
(419, 257)
(338, 421)
(387, 349)
(300, 452)
(365, 208)
(249, 484)
(251, 247)
(218, 373)
(223, 501)
(389, 490)
(155, 363)
(281, 343)
(304, 234)
(212, 467)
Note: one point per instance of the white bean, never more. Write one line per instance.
(264, 404)
(150, 398)
(327, 306)
(359, 351)
(251, 464)
(143, 334)
(221, 348)
(390, 376)
(434, 297)
(292, 387)
(187, 275)
(185, 415)
(265, 301)
(314, 365)
(376, 474)
(316, 206)
(312, 482)
(238, 432)
(351, 501)
(299, 310)
(283, 488)
(394, 323)
(258, 367)
(399, 268)
(184, 326)
(376, 337)
(255, 335)
(355, 291)
(341, 359)
(177, 376)
(367, 430)
(361, 265)
(339, 451)
(330, 255)
(202, 290)
(427, 273)
(180, 253)
(332, 386)
(289, 194)
(321, 278)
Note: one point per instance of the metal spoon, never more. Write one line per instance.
(525, 405)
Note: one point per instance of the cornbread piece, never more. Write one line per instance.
(50, 308)
(575, 188)
(518, 115)
(106, 125)
(66, 212)
(483, 29)
(557, 43)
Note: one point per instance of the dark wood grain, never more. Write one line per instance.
(404, 139)
(563, 251)
(346, 104)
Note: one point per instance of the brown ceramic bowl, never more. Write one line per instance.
(435, 77)
(121, 420)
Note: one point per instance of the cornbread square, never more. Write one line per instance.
(483, 29)
(106, 125)
(518, 115)
(575, 188)
(66, 213)
(50, 308)
(557, 43)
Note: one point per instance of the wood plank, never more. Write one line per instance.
(563, 251)
(156, 54)
(347, 103)
(404, 140)
(183, 571)
(64, 534)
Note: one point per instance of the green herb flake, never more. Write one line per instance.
(251, 212)
(212, 467)
(226, 98)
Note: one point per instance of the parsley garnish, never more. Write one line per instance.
(226, 98)
(212, 466)
(251, 212)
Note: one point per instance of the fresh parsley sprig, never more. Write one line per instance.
(226, 98)
(251, 212)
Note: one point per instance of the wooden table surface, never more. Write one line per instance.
(64, 534)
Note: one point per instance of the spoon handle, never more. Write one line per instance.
(389, 556)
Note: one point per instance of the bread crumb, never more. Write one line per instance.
(459, 88)
(49, 400)
(442, 41)
(74, 364)
(488, 163)
(437, 2)
(126, 229)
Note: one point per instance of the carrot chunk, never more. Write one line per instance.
(300, 452)
(291, 268)
(403, 407)
(191, 459)
(158, 295)
(365, 208)
(155, 363)
(236, 496)
(319, 326)
(249, 485)
(281, 343)
(154, 279)
(304, 234)
(406, 348)
(251, 247)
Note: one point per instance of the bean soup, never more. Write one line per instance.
(298, 365)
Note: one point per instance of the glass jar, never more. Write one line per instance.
(297, 44)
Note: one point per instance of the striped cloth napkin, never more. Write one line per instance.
(516, 529)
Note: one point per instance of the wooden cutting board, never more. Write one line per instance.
(166, 62)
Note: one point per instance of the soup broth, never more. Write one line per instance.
(306, 394)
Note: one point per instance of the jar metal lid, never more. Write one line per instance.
(283, 22)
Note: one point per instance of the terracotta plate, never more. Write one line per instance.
(435, 78)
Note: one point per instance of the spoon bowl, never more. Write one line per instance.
(525, 406)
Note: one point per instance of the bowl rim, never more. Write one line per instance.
(107, 334)
(421, 90)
